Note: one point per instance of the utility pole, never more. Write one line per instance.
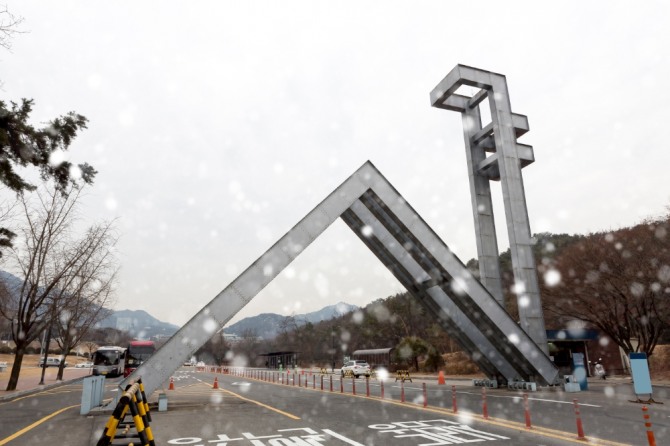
(46, 355)
(332, 349)
(46, 348)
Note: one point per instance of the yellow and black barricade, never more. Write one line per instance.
(403, 375)
(324, 371)
(348, 373)
(135, 401)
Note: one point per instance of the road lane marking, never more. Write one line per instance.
(274, 409)
(489, 395)
(32, 395)
(341, 437)
(562, 402)
(35, 424)
(507, 424)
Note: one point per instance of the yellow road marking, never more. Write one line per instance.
(274, 409)
(61, 389)
(35, 424)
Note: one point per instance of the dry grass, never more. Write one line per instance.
(659, 363)
(458, 364)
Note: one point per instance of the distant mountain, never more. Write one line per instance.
(267, 325)
(327, 313)
(138, 323)
(141, 324)
(13, 286)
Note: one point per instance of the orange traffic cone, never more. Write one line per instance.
(171, 384)
(216, 383)
(440, 378)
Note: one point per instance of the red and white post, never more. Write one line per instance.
(580, 428)
(425, 396)
(647, 424)
(526, 410)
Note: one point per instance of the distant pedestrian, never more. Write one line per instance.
(600, 370)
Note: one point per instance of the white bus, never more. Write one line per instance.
(109, 361)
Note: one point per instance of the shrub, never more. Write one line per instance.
(459, 363)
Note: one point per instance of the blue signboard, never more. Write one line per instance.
(639, 368)
(579, 370)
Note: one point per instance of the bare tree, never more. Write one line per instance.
(214, 350)
(87, 289)
(51, 262)
(287, 328)
(618, 282)
(9, 25)
(91, 347)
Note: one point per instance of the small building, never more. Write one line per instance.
(285, 360)
(377, 357)
(591, 343)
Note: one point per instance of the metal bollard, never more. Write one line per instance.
(526, 410)
(580, 428)
(453, 399)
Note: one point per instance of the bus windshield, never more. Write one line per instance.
(106, 357)
(138, 352)
(109, 361)
(137, 355)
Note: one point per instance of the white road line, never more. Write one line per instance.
(343, 438)
(488, 395)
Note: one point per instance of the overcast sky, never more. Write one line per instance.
(216, 126)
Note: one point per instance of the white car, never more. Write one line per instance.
(357, 368)
(84, 365)
(51, 362)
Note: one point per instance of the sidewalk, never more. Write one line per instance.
(29, 380)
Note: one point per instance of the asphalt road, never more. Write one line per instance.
(254, 411)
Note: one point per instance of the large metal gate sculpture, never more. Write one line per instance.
(504, 164)
(408, 247)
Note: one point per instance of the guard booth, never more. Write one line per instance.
(589, 342)
(280, 360)
(377, 357)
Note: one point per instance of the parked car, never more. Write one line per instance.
(51, 362)
(356, 367)
(84, 365)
